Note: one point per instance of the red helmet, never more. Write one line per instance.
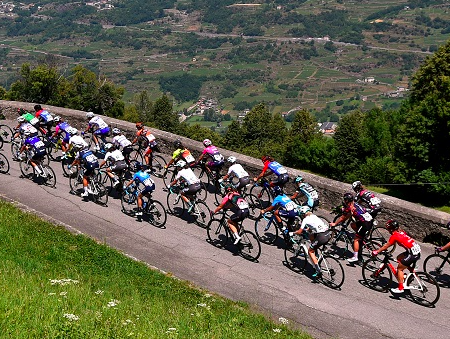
(392, 225)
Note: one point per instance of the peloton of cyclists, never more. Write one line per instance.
(235, 202)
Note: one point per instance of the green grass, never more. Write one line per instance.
(108, 295)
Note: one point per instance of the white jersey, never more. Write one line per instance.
(27, 127)
(188, 175)
(121, 140)
(314, 224)
(114, 156)
(98, 121)
(238, 171)
(77, 140)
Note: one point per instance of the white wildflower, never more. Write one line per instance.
(63, 282)
(277, 330)
(63, 293)
(71, 317)
(284, 321)
(207, 295)
(204, 305)
(113, 303)
(52, 293)
(99, 292)
(171, 330)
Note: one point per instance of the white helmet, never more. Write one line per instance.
(303, 210)
(57, 118)
(231, 159)
(89, 115)
(116, 131)
(108, 146)
(180, 163)
(207, 142)
(72, 131)
(21, 119)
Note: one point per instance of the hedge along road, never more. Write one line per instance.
(181, 248)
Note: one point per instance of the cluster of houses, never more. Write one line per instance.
(6, 9)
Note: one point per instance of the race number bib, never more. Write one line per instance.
(314, 195)
(91, 158)
(367, 216)
(375, 201)
(34, 121)
(39, 144)
(189, 158)
(290, 206)
(218, 157)
(242, 204)
(415, 250)
(282, 170)
(148, 182)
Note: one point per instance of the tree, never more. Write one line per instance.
(143, 106)
(304, 126)
(233, 138)
(163, 115)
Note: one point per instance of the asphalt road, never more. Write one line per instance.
(181, 248)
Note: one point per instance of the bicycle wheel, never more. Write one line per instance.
(26, 168)
(136, 156)
(366, 248)
(203, 193)
(262, 193)
(340, 245)
(438, 267)
(168, 176)
(1, 142)
(49, 176)
(6, 133)
(158, 163)
(332, 272)
(423, 289)
(377, 276)
(99, 193)
(266, 230)
(76, 183)
(175, 204)
(128, 200)
(381, 235)
(254, 206)
(4, 164)
(219, 194)
(15, 148)
(296, 256)
(249, 246)
(157, 213)
(201, 213)
(217, 233)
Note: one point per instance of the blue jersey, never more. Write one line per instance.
(310, 193)
(277, 168)
(37, 146)
(46, 116)
(284, 202)
(64, 127)
(143, 178)
(88, 159)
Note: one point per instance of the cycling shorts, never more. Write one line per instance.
(152, 146)
(215, 164)
(242, 183)
(281, 180)
(192, 189)
(102, 131)
(148, 189)
(126, 151)
(320, 239)
(362, 228)
(240, 215)
(118, 166)
(409, 259)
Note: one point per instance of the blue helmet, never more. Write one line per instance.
(277, 191)
(137, 166)
(298, 179)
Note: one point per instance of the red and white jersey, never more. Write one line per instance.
(404, 241)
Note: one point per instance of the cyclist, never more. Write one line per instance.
(28, 116)
(121, 142)
(45, 118)
(62, 127)
(284, 207)
(406, 259)
(234, 201)
(144, 135)
(371, 202)
(312, 196)
(116, 163)
(212, 152)
(362, 222)
(99, 129)
(141, 177)
(35, 148)
(86, 159)
(181, 153)
(273, 167)
(319, 233)
(236, 170)
(76, 140)
(190, 184)
(24, 126)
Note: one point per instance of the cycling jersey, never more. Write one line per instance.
(214, 153)
(310, 193)
(358, 213)
(78, 140)
(237, 170)
(275, 167)
(98, 122)
(44, 116)
(286, 207)
(121, 140)
(114, 156)
(185, 154)
(27, 127)
(314, 224)
(63, 127)
(235, 200)
(88, 159)
(187, 175)
(145, 133)
(30, 118)
(36, 147)
(405, 241)
(143, 178)
(370, 200)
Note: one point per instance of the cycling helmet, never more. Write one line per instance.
(21, 119)
(72, 131)
(137, 167)
(228, 187)
(298, 179)
(77, 147)
(139, 125)
(231, 159)
(89, 115)
(277, 191)
(109, 147)
(180, 163)
(37, 107)
(116, 131)
(348, 197)
(357, 186)
(265, 158)
(177, 143)
(207, 142)
(392, 225)
(57, 118)
(27, 133)
(303, 210)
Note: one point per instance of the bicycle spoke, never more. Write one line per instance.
(376, 275)
(4, 164)
(332, 272)
(217, 233)
(249, 246)
(201, 213)
(423, 289)
(157, 213)
(438, 267)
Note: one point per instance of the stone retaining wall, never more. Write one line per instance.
(423, 223)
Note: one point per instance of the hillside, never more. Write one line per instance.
(328, 56)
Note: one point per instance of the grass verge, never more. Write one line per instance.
(58, 285)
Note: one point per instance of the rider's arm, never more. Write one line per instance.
(102, 164)
(342, 218)
(218, 208)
